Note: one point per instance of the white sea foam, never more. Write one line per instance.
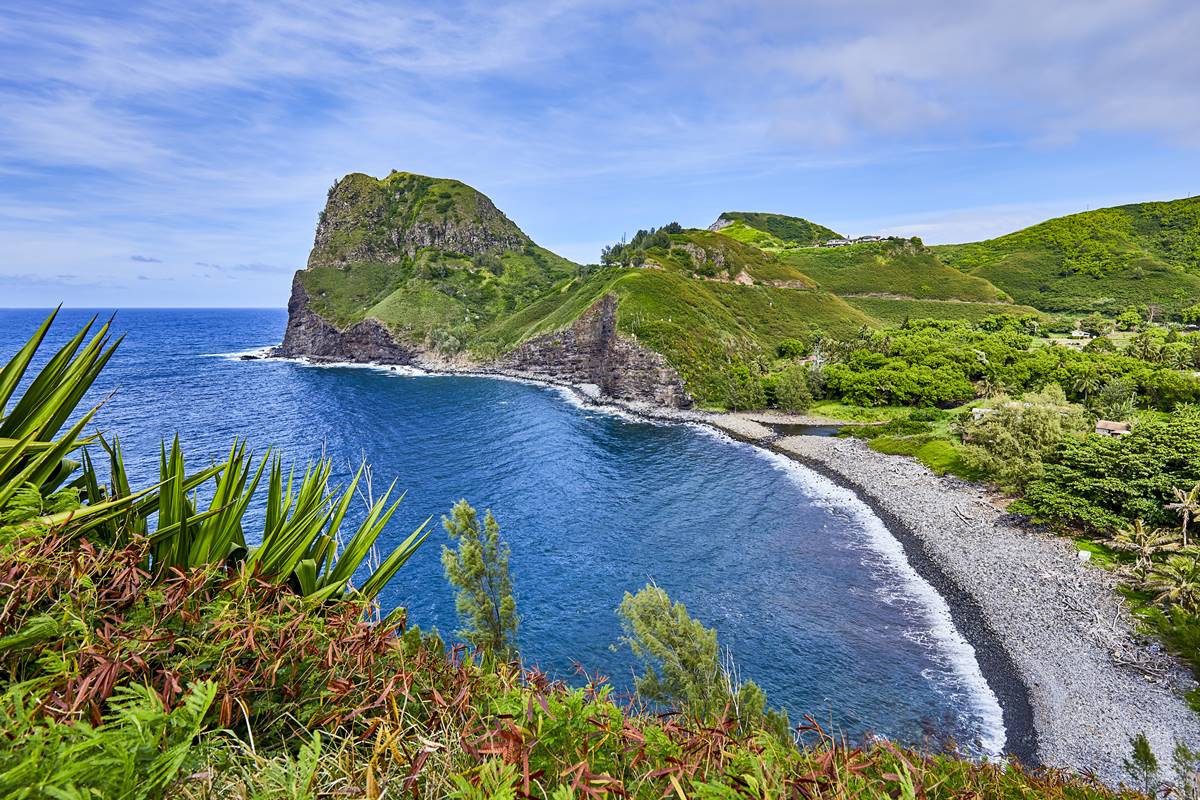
(939, 636)
(254, 352)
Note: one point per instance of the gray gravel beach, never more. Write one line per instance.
(1052, 636)
(1091, 681)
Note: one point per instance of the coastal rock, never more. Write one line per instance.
(592, 351)
(308, 335)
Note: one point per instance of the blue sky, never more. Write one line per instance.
(177, 154)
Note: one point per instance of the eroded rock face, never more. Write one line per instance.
(311, 336)
(591, 351)
(386, 221)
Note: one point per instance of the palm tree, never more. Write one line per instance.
(1145, 543)
(1176, 582)
(1186, 505)
(1146, 348)
(1086, 383)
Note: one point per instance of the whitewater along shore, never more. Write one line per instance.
(1052, 636)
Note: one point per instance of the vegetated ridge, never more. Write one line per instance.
(412, 269)
(1102, 260)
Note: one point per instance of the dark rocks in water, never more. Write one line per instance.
(248, 357)
(307, 334)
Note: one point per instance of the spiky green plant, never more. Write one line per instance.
(301, 541)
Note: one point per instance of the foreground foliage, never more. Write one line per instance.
(148, 650)
(214, 684)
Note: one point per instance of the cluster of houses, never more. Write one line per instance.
(844, 242)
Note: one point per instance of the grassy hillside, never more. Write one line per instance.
(701, 326)
(891, 312)
(892, 267)
(705, 254)
(761, 229)
(1101, 260)
(431, 258)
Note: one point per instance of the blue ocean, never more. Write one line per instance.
(808, 592)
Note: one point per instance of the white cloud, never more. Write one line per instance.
(208, 133)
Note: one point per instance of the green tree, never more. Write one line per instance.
(1101, 344)
(478, 569)
(1116, 400)
(1186, 505)
(1141, 765)
(1144, 543)
(1176, 582)
(1095, 324)
(1086, 383)
(744, 389)
(1191, 314)
(1010, 444)
(682, 665)
(1129, 319)
(792, 348)
(792, 392)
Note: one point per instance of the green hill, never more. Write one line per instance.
(430, 258)
(1101, 260)
(771, 230)
(898, 268)
(702, 327)
(411, 267)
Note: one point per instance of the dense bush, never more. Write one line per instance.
(1101, 484)
(1009, 443)
(792, 392)
(939, 362)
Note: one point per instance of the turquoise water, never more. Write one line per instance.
(805, 587)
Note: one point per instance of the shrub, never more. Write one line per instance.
(792, 348)
(1010, 444)
(478, 570)
(792, 392)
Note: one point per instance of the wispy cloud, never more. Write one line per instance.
(210, 132)
(145, 259)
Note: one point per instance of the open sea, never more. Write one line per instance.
(807, 590)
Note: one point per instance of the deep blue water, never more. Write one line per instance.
(802, 583)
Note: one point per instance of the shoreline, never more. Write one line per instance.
(1049, 632)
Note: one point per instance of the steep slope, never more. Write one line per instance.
(409, 264)
(411, 269)
(1099, 260)
(701, 327)
(771, 230)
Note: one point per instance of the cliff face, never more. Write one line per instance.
(591, 351)
(404, 264)
(309, 335)
(387, 220)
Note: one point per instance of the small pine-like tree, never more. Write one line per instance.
(683, 667)
(478, 569)
(1142, 766)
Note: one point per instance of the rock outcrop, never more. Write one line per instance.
(592, 351)
(388, 220)
(406, 234)
(308, 335)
